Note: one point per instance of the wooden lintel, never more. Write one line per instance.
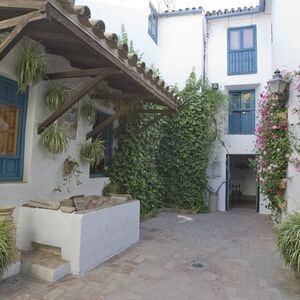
(6, 25)
(23, 4)
(15, 35)
(80, 73)
(154, 120)
(126, 96)
(97, 130)
(74, 99)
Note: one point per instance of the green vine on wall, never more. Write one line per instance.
(187, 144)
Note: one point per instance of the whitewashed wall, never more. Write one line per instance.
(286, 55)
(43, 172)
(135, 19)
(181, 47)
(216, 68)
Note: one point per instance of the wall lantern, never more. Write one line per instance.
(277, 85)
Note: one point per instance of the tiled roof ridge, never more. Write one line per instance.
(184, 10)
(83, 15)
(231, 11)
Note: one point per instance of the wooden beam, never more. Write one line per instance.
(23, 4)
(5, 25)
(126, 96)
(80, 73)
(153, 111)
(97, 130)
(74, 99)
(15, 35)
(154, 120)
(101, 47)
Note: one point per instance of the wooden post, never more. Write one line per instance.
(15, 35)
(154, 120)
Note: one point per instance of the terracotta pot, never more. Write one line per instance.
(6, 213)
(282, 184)
(282, 205)
(283, 116)
(283, 123)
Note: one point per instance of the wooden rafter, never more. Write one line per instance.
(79, 73)
(103, 49)
(15, 35)
(127, 96)
(74, 99)
(24, 4)
(154, 120)
(6, 25)
(153, 111)
(97, 130)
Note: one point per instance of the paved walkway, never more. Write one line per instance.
(234, 257)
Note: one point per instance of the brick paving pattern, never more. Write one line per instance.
(234, 255)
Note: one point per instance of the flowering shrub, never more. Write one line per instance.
(272, 148)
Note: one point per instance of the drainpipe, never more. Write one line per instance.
(204, 30)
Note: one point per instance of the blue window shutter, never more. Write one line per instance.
(241, 118)
(11, 166)
(242, 59)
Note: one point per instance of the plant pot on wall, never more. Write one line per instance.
(282, 184)
(6, 213)
(283, 116)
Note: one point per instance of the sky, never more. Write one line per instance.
(206, 4)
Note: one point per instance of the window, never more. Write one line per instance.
(242, 52)
(13, 106)
(153, 23)
(106, 135)
(242, 112)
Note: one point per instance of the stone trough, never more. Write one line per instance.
(87, 236)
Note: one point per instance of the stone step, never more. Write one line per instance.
(44, 265)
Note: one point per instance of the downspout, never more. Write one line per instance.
(204, 33)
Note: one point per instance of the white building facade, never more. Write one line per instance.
(239, 49)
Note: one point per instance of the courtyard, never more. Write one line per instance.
(230, 255)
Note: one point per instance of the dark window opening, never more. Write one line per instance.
(153, 23)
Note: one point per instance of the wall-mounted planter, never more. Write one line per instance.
(283, 116)
(282, 205)
(282, 184)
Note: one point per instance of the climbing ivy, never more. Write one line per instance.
(133, 167)
(186, 146)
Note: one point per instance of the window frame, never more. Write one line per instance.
(153, 19)
(242, 49)
(253, 109)
(21, 104)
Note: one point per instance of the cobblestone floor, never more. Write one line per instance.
(235, 253)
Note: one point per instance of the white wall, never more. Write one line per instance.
(216, 68)
(135, 19)
(43, 172)
(286, 55)
(181, 47)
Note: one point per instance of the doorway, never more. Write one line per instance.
(242, 189)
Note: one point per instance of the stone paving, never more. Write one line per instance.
(181, 257)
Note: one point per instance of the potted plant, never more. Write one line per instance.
(88, 111)
(283, 184)
(8, 250)
(93, 151)
(57, 95)
(54, 140)
(289, 240)
(31, 67)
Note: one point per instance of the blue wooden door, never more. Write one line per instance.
(13, 107)
(242, 113)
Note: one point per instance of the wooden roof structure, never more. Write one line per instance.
(67, 30)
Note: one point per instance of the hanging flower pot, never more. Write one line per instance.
(282, 205)
(283, 124)
(283, 184)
